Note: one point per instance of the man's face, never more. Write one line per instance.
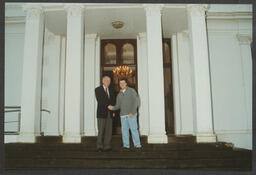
(106, 81)
(122, 84)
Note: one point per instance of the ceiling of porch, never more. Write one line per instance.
(99, 21)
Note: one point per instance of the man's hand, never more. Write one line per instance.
(130, 115)
(114, 115)
(111, 107)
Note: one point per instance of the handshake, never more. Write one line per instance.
(111, 107)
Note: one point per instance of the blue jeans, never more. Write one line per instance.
(126, 124)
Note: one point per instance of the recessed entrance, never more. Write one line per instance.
(119, 52)
(123, 52)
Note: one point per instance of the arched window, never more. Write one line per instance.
(110, 53)
(127, 54)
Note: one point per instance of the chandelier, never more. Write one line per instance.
(123, 72)
(117, 24)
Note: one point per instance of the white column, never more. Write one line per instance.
(185, 89)
(157, 132)
(201, 76)
(89, 85)
(176, 85)
(97, 78)
(143, 83)
(31, 80)
(74, 73)
(50, 84)
(62, 85)
(246, 63)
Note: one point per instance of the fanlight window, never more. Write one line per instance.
(127, 54)
(110, 54)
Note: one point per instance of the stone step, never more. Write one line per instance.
(129, 155)
(43, 155)
(49, 139)
(116, 147)
(181, 138)
(48, 163)
(115, 139)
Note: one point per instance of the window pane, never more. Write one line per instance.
(166, 53)
(110, 54)
(127, 54)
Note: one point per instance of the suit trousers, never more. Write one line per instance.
(104, 132)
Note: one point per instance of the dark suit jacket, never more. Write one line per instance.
(104, 101)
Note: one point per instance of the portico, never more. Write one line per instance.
(76, 30)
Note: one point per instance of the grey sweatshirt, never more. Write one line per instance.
(127, 102)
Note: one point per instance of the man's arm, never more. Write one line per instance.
(117, 106)
(139, 102)
(97, 95)
(136, 100)
(112, 101)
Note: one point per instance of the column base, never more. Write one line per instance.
(155, 138)
(52, 134)
(90, 132)
(144, 132)
(206, 138)
(71, 138)
(26, 138)
(11, 138)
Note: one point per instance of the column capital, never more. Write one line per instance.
(185, 33)
(174, 34)
(91, 36)
(197, 8)
(153, 9)
(244, 39)
(33, 10)
(142, 35)
(49, 36)
(74, 9)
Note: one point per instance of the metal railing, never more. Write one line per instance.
(13, 109)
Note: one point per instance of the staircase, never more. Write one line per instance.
(182, 152)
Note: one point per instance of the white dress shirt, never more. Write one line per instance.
(105, 90)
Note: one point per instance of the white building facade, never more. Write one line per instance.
(53, 62)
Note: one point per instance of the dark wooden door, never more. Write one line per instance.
(168, 90)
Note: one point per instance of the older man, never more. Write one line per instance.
(128, 101)
(105, 97)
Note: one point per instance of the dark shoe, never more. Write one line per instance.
(99, 149)
(107, 150)
(125, 149)
(137, 149)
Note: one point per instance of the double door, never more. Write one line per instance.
(123, 52)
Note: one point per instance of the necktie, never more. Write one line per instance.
(106, 91)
